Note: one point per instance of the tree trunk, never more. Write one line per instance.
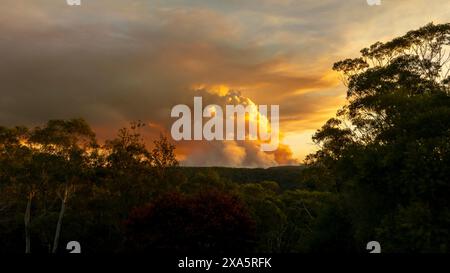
(27, 223)
(60, 218)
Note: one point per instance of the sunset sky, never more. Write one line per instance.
(115, 61)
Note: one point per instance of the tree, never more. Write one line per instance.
(205, 222)
(267, 211)
(163, 158)
(14, 158)
(128, 150)
(62, 150)
(163, 155)
(128, 168)
(387, 151)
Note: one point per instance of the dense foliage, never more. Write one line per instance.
(387, 152)
(381, 173)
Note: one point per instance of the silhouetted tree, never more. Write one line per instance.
(387, 152)
(62, 150)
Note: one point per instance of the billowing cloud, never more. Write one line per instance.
(232, 152)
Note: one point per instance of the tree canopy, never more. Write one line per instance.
(387, 151)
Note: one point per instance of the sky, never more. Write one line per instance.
(115, 61)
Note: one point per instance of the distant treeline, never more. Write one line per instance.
(287, 177)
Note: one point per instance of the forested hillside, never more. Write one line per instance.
(288, 177)
(381, 173)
